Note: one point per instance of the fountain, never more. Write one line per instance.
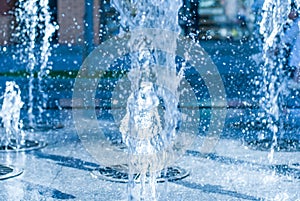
(33, 21)
(149, 141)
(33, 35)
(153, 104)
(149, 108)
(13, 138)
(275, 87)
(10, 114)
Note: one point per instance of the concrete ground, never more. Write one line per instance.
(232, 171)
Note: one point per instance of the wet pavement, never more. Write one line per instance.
(234, 170)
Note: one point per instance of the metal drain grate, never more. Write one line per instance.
(7, 172)
(27, 145)
(295, 166)
(283, 145)
(116, 174)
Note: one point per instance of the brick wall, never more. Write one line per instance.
(6, 7)
(96, 21)
(70, 20)
(5, 29)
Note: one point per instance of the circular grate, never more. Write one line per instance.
(7, 172)
(27, 145)
(283, 145)
(119, 174)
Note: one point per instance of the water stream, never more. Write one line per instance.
(275, 78)
(33, 35)
(13, 136)
(147, 129)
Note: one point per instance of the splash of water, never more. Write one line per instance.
(147, 129)
(27, 19)
(49, 29)
(10, 114)
(273, 89)
(34, 32)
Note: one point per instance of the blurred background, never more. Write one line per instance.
(210, 19)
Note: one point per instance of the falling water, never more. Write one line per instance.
(33, 32)
(148, 132)
(45, 68)
(27, 19)
(273, 89)
(10, 114)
